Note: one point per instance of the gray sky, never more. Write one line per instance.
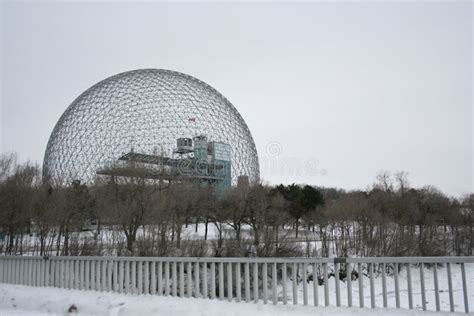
(332, 92)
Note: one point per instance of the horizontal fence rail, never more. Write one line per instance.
(328, 281)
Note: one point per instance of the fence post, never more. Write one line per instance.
(397, 286)
(73, 274)
(5, 267)
(349, 284)
(160, 278)
(315, 286)
(99, 275)
(181, 279)
(69, 274)
(24, 271)
(221, 280)
(284, 281)
(372, 286)
(295, 283)
(134, 277)
(450, 288)
(13, 270)
(167, 278)
(274, 283)
(238, 289)
(213, 280)
(436, 287)
(120, 275)
(153, 278)
(229, 281)
(18, 272)
(98, 282)
(422, 287)
(76, 273)
(111, 275)
(336, 280)
(464, 289)
(140, 276)
(104, 274)
(196, 279)
(45, 271)
(93, 276)
(205, 293)
(40, 272)
(27, 271)
(61, 273)
(247, 282)
(326, 285)
(255, 282)
(361, 284)
(53, 269)
(174, 277)
(190, 279)
(10, 271)
(20, 264)
(304, 279)
(305, 284)
(7, 270)
(48, 273)
(410, 293)
(147, 277)
(127, 276)
(384, 286)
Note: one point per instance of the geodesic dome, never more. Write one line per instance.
(144, 111)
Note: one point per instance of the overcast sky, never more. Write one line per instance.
(332, 92)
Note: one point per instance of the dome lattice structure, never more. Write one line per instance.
(144, 111)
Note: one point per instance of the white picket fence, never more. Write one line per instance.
(234, 279)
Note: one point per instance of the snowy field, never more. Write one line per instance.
(30, 242)
(23, 300)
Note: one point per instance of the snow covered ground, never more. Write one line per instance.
(30, 242)
(23, 300)
(18, 300)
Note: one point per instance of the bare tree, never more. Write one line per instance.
(181, 201)
(16, 200)
(126, 201)
(401, 178)
(233, 208)
(78, 208)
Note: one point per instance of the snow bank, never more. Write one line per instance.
(23, 300)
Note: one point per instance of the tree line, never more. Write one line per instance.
(139, 216)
